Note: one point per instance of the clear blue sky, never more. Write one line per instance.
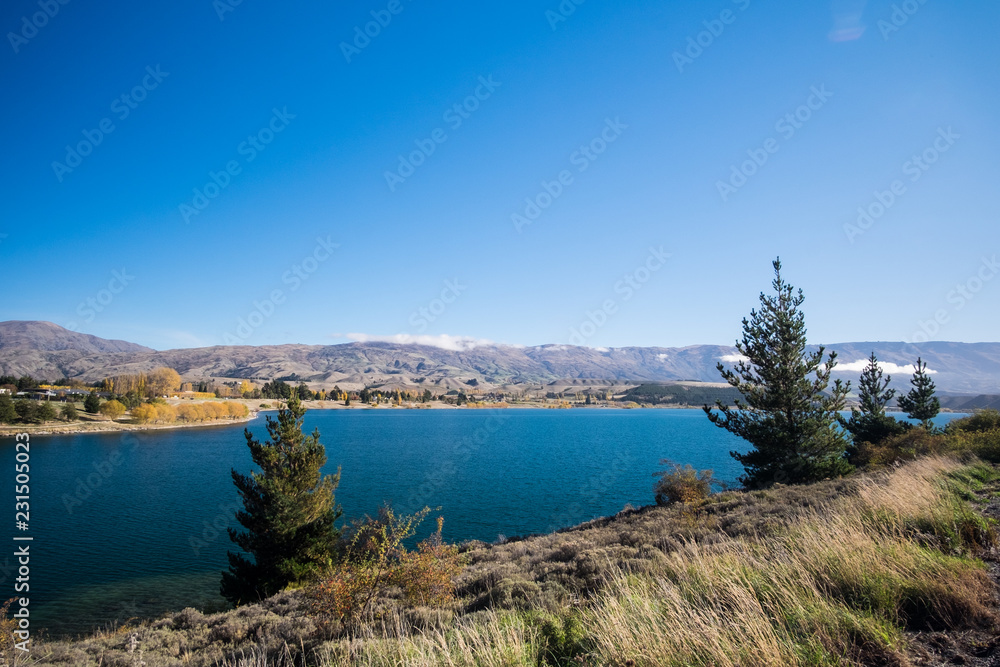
(675, 119)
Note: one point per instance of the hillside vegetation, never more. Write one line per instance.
(838, 572)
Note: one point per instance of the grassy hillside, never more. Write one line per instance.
(855, 571)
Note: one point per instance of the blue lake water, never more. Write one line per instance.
(133, 525)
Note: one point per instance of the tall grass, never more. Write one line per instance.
(835, 588)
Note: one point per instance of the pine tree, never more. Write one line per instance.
(870, 423)
(785, 413)
(289, 511)
(92, 403)
(921, 403)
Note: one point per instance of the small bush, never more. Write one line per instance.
(375, 560)
(563, 640)
(683, 484)
(979, 421)
(984, 444)
(426, 575)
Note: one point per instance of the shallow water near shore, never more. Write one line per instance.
(132, 525)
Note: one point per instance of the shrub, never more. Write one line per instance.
(906, 446)
(68, 412)
(563, 640)
(426, 575)
(376, 559)
(978, 422)
(984, 444)
(683, 484)
(7, 627)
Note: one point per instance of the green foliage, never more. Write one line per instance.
(977, 422)
(27, 411)
(906, 446)
(92, 403)
(68, 412)
(130, 399)
(677, 394)
(683, 484)
(870, 424)
(984, 444)
(289, 511)
(8, 415)
(45, 412)
(921, 403)
(786, 413)
(276, 389)
(563, 640)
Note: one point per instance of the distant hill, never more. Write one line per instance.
(45, 350)
(49, 337)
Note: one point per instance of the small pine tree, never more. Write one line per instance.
(785, 413)
(870, 423)
(921, 403)
(289, 511)
(92, 403)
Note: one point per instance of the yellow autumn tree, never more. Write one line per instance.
(112, 409)
(162, 381)
(143, 414)
(166, 413)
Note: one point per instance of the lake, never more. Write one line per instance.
(134, 525)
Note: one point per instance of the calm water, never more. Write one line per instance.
(134, 525)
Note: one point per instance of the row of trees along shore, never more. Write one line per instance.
(789, 414)
(139, 394)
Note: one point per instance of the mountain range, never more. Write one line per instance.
(45, 350)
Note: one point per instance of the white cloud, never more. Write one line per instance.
(733, 358)
(662, 357)
(443, 341)
(886, 366)
(600, 349)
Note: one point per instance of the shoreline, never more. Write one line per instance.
(76, 428)
(80, 427)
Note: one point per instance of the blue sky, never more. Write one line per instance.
(672, 151)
